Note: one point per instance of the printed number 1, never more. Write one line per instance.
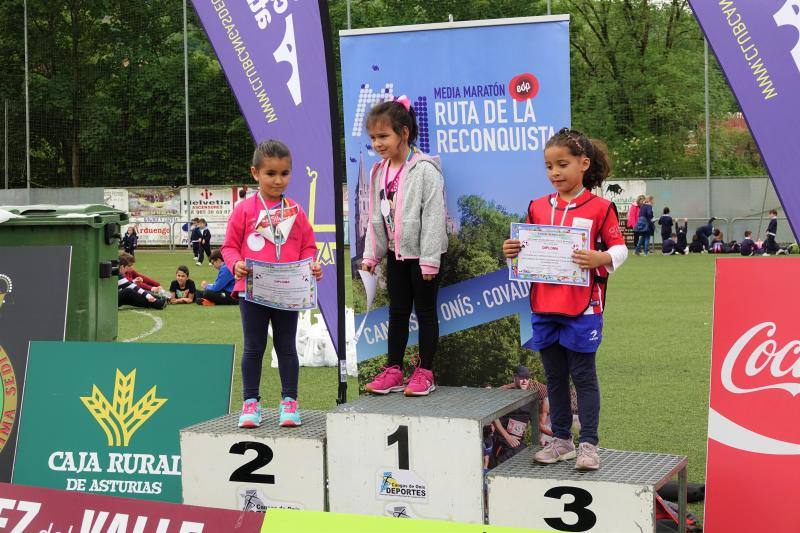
(401, 438)
(581, 499)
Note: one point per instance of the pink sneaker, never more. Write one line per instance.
(390, 380)
(421, 383)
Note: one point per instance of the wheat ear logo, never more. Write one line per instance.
(122, 418)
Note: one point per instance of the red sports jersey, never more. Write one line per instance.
(587, 210)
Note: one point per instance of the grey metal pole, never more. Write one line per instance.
(186, 111)
(348, 14)
(708, 132)
(27, 107)
(5, 141)
(549, 11)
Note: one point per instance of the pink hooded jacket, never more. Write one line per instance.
(242, 241)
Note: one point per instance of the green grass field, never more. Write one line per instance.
(653, 363)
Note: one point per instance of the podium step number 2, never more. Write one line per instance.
(255, 469)
(618, 497)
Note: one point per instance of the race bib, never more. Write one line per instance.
(516, 428)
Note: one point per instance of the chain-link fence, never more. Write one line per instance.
(106, 89)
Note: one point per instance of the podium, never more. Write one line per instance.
(617, 498)
(419, 457)
(255, 469)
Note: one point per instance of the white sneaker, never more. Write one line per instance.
(781, 251)
(198, 263)
(765, 254)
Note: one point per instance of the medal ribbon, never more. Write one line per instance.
(278, 239)
(554, 202)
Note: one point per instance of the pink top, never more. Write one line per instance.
(243, 241)
(633, 215)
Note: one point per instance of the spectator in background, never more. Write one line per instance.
(668, 246)
(644, 227)
(770, 245)
(696, 247)
(219, 292)
(652, 225)
(666, 225)
(242, 196)
(128, 293)
(195, 234)
(633, 217)
(747, 247)
(718, 242)
(510, 430)
(130, 240)
(681, 245)
(182, 289)
(704, 232)
(205, 242)
(126, 268)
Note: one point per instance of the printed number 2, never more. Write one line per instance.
(245, 472)
(578, 506)
(400, 437)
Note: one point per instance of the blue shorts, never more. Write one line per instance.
(579, 334)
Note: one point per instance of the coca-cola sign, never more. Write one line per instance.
(754, 414)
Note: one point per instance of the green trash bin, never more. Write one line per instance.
(93, 231)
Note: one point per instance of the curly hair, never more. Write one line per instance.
(579, 144)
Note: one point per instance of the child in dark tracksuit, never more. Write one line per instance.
(680, 232)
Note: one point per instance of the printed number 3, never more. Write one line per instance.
(245, 472)
(400, 437)
(578, 506)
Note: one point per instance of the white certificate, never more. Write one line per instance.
(286, 286)
(546, 254)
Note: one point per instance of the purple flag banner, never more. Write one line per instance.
(757, 44)
(275, 55)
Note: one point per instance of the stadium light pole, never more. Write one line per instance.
(549, 10)
(186, 111)
(708, 132)
(348, 13)
(27, 106)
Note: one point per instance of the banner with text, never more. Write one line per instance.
(113, 412)
(488, 95)
(275, 58)
(757, 45)
(54, 511)
(29, 275)
(753, 419)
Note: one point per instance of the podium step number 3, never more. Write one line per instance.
(414, 457)
(255, 469)
(618, 497)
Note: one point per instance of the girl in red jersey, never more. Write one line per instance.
(567, 320)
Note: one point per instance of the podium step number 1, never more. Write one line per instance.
(414, 457)
(255, 469)
(618, 497)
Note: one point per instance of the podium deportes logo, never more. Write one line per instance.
(394, 484)
(121, 418)
(757, 364)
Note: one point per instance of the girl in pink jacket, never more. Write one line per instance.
(273, 228)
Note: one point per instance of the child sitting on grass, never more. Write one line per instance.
(182, 289)
(127, 269)
(221, 291)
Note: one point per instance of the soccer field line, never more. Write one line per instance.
(157, 325)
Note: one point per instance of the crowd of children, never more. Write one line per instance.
(706, 238)
(138, 290)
